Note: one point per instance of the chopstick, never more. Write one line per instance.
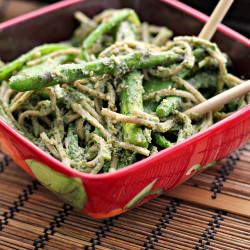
(218, 14)
(221, 99)
(225, 97)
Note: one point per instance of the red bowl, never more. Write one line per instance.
(106, 195)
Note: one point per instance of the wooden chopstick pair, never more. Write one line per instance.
(228, 95)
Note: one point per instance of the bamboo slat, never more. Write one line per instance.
(203, 197)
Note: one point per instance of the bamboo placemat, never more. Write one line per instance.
(211, 211)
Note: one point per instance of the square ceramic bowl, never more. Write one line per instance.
(106, 195)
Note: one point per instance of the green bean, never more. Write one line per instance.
(84, 55)
(7, 70)
(117, 66)
(109, 25)
(125, 31)
(43, 67)
(152, 85)
(161, 141)
(131, 100)
(131, 94)
(199, 53)
(168, 106)
(73, 150)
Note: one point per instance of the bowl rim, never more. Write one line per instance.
(59, 166)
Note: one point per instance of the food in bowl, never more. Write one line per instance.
(115, 93)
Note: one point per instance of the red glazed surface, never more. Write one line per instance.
(111, 194)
